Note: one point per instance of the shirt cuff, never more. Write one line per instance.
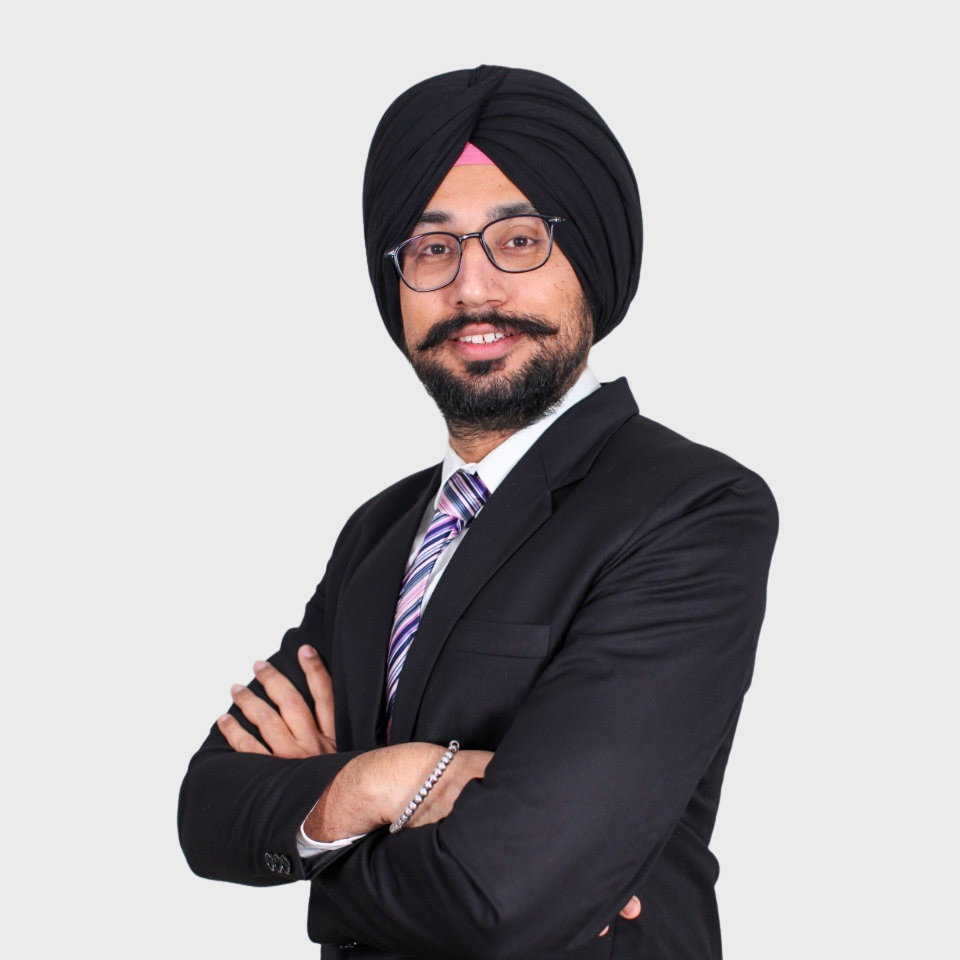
(308, 847)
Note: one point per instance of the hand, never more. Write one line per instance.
(372, 789)
(295, 731)
(630, 912)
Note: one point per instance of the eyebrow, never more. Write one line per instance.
(517, 209)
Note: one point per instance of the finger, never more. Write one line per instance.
(321, 689)
(604, 931)
(238, 738)
(293, 708)
(268, 722)
(632, 910)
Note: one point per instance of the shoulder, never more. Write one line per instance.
(647, 468)
(381, 510)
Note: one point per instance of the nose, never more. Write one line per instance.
(478, 283)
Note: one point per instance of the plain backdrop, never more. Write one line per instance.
(197, 391)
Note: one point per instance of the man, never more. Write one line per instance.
(574, 594)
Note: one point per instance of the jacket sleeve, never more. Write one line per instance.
(590, 780)
(239, 814)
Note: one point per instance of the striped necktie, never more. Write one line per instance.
(460, 500)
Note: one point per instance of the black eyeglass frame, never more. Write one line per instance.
(393, 254)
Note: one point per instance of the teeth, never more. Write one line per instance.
(482, 338)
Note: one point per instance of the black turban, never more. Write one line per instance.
(545, 138)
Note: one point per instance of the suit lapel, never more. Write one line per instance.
(521, 504)
(518, 507)
(366, 617)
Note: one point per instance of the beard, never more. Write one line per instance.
(485, 400)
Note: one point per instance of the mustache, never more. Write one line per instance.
(531, 324)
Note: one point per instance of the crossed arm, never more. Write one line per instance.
(586, 786)
(371, 790)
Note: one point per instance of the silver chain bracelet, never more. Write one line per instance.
(429, 784)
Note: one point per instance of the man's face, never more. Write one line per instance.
(508, 383)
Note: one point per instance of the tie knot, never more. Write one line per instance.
(462, 496)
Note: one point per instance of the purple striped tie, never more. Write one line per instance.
(460, 500)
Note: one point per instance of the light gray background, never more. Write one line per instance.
(197, 391)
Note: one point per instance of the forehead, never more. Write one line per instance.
(473, 194)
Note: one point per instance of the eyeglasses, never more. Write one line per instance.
(514, 244)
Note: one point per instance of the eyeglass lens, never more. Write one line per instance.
(515, 244)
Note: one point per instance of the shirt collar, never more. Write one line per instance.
(495, 466)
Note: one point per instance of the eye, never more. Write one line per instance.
(431, 246)
(518, 239)
(520, 242)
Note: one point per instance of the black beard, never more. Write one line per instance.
(482, 402)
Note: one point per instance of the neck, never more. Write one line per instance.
(472, 444)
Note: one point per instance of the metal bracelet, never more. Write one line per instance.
(429, 784)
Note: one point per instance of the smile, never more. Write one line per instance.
(482, 338)
(487, 345)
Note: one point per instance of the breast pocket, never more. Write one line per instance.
(495, 638)
(484, 673)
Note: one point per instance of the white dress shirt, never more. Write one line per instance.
(492, 469)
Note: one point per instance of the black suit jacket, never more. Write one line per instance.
(596, 629)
